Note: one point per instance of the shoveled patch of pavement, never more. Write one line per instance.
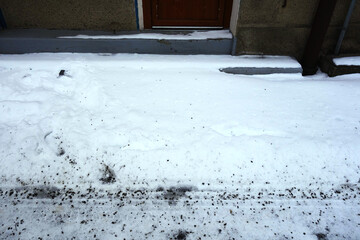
(260, 70)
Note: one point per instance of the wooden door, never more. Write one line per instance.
(187, 13)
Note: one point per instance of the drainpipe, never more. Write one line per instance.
(137, 15)
(2, 20)
(319, 28)
(345, 27)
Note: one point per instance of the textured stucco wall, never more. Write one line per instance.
(70, 14)
(279, 27)
(283, 26)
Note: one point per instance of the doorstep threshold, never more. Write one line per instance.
(164, 35)
(335, 65)
(187, 27)
(147, 42)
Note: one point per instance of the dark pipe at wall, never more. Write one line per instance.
(316, 38)
(137, 15)
(2, 20)
(345, 27)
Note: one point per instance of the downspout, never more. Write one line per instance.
(319, 28)
(2, 20)
(345, 27)
(233, 47)
(137, 15)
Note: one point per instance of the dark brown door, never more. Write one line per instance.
(187, 13)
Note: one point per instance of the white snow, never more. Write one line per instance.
(196, 35)
(348, 61)
(260, 157)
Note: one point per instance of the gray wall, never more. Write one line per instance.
(70, 14)
(269, 27)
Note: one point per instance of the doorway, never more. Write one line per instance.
(193, 14)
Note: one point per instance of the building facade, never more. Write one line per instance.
(276, 27)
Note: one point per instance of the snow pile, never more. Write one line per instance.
(176, 148)
(196, 35)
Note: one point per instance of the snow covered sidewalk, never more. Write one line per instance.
(168, 147)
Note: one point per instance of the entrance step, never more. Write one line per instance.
(147, 42)
(340, 65)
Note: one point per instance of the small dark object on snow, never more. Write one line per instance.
(60, 152)
(44, 192)
(175, 193)
(160, 189)
(181, 235)
(108, 176)
(61, 73)
(321, 236)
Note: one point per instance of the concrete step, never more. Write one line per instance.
(147, 42)
(327, 65)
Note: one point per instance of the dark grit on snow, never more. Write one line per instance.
(168, 147)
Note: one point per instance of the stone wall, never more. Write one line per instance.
(70, 14)
(282, 27)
